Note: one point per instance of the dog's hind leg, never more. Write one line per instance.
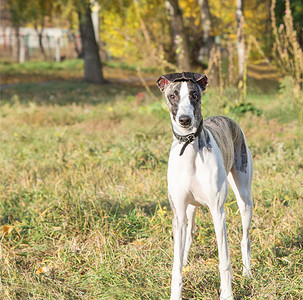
(218, 214)
(240, 181)
(191, 222)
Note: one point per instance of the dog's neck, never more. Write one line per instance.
(189, 138)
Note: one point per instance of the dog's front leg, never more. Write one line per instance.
(218, 214)
(190, 233)
(179, 230)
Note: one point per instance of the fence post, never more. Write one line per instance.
(22, 49)
(57, 49)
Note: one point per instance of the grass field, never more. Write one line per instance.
(84, 209)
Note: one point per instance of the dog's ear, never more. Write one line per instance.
(202, 80)
(162, 83)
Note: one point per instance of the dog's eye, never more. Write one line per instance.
(195, 96)
(172, 97)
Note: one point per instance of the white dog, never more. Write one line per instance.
(205, 154)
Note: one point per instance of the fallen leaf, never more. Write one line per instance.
(210, 261)
(7, 229)
(42, 270)
(185, 270)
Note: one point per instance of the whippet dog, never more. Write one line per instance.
(204, 155)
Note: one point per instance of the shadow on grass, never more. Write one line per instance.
(129, 221)
(68, 92)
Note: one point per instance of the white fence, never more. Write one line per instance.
(23, 44)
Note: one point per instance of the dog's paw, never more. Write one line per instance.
(246, 273)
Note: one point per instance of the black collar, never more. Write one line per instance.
(187, 138)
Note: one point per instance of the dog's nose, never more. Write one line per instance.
(185, 120)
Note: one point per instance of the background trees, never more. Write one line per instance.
(173, 34)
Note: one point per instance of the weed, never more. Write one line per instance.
(242, 108)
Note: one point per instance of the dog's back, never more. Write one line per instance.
(230, 140)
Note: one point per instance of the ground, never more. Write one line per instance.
(84, 209)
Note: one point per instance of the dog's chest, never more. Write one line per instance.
(199, 172)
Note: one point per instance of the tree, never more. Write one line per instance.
(19, 13)
(32, 12)
(39, 9)
(82, 34)
(137, 31)
(179, 36)
(79, 15)
(207, 24)
(240, 37)
(92, 63)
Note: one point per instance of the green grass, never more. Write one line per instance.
(83, 185)
(40, 71)
(41, 66)
(36, 71)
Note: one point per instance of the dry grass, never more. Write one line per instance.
(83, 195)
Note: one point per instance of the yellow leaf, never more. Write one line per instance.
(210, 261)
(7, 229)
(42, 270)
(185, 270)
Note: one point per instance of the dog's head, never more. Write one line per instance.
(183, 92)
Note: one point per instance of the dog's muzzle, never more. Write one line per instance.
(185, 121)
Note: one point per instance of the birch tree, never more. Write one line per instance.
(240, 37)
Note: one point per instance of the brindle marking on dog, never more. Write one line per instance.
(227, 134)
(204, 142)
(243, 166)
(193, 88)
(173, 89)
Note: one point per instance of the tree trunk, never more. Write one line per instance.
(95, 19)
(78, 51)
(268, 27)
(41, 46)
(179, 36)
(16, 43)
(82, 34)
(206, 20)
(40, 38)
(240, 37)
(230, 50)
(92, 62)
